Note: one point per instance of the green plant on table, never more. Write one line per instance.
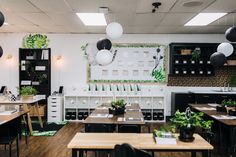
(228, 103)
(118, 103)
(190, 119)
(27, 90)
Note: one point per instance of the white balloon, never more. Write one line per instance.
(226, 48)
(114, 30)
(104, 57)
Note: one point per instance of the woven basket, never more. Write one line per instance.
(186, 52)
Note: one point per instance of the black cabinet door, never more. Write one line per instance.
(181, 101)
(211, 98)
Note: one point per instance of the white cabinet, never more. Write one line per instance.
(78, 107)
(55, 108)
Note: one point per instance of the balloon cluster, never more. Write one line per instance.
(114, 31)
(224, 49)
(2, 19)
(104, 56)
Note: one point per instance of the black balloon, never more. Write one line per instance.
(230, 34)
(104, 44)
(2, 19)
(1, 52)
(218, 59)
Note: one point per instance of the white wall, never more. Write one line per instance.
(72, 70)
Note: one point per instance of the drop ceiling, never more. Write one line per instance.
(59, 16)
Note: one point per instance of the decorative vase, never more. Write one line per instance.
(27, 97)
(186, 134)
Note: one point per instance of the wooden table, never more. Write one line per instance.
(230, 124)
(132, 111)
(25, 104)
(106, 141)
(7, 118)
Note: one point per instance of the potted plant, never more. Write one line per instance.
(229, 105)
(187, 122)
(27, 93)
(118, 107)
(196, 54)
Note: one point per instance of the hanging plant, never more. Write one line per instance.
(84, 49)
(35, 41)
(158, 75)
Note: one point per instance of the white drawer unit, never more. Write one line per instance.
(55, 108)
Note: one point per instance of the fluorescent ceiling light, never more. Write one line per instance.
(92, 19)
(203, 19)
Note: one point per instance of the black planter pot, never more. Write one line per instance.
(232, 113)
(116, 111)
(221, 109)
(186, 134)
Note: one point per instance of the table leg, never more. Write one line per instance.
(81, 153)
(205, 153)
(74, 153)
(25, 107)
(39, 117)
(193, 154)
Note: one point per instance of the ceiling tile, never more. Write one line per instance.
(52, 5)
(176, 19)
(222, 6)
(18, 6)
(178, 7)
(14, 19)
(37, 18)
(65, 19)
(227, 20)
(145, 6)
(166, 29)
(114, 6)
(148, 19)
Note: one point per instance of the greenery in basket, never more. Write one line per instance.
(196, 54)
(228, 103)
(163, 131)
(190, 119)
(28, 90)
(35, 41)
(118, 103)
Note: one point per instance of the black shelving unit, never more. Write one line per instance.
(35, 70)
(183, 65)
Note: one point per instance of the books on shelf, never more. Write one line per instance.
(40, 68)
(25, 82)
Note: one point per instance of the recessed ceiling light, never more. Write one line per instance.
(92, 19)
(5, 23)
(203, 19)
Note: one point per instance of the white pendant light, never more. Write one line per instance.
(226, 48)
(104, 57)
(114, 30)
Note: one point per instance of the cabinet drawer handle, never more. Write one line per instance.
(54, 111)
(224, 96)
(54, 116)
(206, 96)
(54, 106)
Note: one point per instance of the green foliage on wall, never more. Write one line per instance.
(35, 41)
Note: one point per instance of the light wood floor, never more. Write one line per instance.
(56, 146)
